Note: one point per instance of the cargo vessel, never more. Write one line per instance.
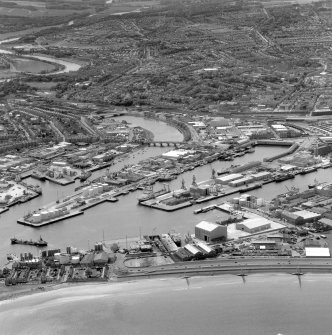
(250, 188)
(39, 243)
(283, 177)
(166, 177)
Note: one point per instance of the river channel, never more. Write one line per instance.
(126, 217)
(68, 66)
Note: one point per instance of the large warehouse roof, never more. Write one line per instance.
(255, 222)
(230, 177)
(207, 226)
(317, 252)
(307, 215)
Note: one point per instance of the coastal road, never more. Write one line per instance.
(236, 266)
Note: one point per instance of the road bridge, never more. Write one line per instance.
(165, 143)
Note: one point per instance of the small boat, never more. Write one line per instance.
(39, 243)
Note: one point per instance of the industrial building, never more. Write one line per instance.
(317, 252)
(195, 252)
(261, 175)
(199, 191)
(228, 178)
(241, 181)
(254, 225)
(291, 217)
(209, 231)
(265, 245)
(307, 216)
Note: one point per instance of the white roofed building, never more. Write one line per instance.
(209, 231)
(254, 225)
(308, 216)
(317, 252)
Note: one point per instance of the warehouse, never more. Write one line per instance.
(254, 225)
(100, 258)
(183, 254)
(205, 249)
(317, 252)
(241, 181)
(292, 218)
(326, 222)
(228, 178)
(265, 245)
(261, 175)
(308, 216)
(208, 231)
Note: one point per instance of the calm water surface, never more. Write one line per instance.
(268, 304)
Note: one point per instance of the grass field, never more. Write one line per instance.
(32, 66)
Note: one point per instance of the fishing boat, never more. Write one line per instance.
(39, 243)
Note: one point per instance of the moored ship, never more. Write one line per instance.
(166, 177)
(283, 177)
(250, 188)
(39, 243)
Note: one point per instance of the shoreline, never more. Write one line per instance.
(24, 290)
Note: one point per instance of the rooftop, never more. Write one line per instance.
(208, 226)
(317, 252)
(306, 214)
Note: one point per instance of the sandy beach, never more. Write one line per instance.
(177, 305)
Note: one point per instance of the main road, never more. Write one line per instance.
(234, 266)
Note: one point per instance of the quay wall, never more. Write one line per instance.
(292, 149)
